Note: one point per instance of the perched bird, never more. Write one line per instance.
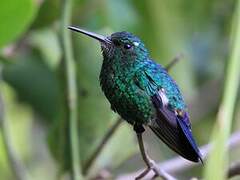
(143, 93)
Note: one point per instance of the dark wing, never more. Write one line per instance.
(171, 123)
(174, 129)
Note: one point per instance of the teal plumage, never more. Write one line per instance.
(143, 93)
(125, 81)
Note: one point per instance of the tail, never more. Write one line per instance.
(174, 130)
(178, 137)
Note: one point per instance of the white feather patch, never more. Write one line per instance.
(163, 97)
(136, 44)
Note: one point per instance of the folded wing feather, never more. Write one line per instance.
(174, 129)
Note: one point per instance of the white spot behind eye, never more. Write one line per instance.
(136, 43)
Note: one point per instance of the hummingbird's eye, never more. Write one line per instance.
(127, 46)
(116, 43)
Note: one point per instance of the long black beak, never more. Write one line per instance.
(98, 37)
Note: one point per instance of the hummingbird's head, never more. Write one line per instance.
(120, 44)
(126, 45)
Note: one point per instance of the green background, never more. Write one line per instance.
(33, 81)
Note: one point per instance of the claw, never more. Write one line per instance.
(143, 174)
(151, 166)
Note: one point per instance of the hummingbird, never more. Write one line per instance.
(143, 93)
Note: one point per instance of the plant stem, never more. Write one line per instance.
(71, 88)
(18, 168)
(218, 159)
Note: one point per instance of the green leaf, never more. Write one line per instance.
(36, 85)
(47, 14)
(15, 18)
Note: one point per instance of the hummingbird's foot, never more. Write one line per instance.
(143, 174)
(151, 165)
(154, 167)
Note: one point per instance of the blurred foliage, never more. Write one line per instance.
(44, 88)
(34, 82)
(15, 17)
(218, 158)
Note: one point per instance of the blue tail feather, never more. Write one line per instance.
(188, 134)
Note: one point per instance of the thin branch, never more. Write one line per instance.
(18, 168)
(151, 165)
(234, 170)
(101, 145)
(71, 84)
(174, 61)
(178, 164)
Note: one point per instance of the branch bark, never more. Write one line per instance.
(178, 164)
(173, 61)
(100, 147)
